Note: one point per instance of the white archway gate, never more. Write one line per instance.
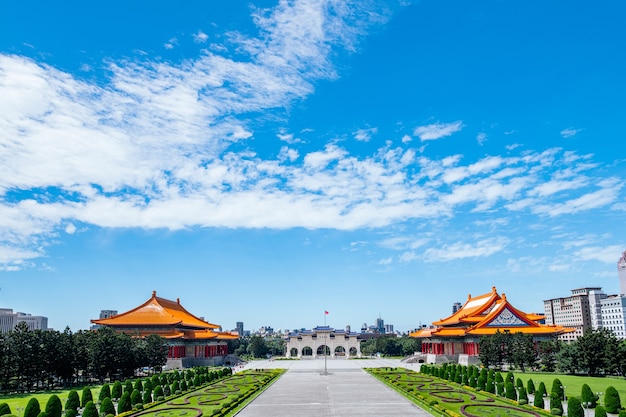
(338, 343)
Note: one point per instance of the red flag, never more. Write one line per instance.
(326, 312)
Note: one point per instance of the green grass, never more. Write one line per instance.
(16, 401)
(573, 384)
(446, 397)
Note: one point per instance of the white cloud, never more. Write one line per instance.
(200, 37)
(437, 130)
(406, 139)
(569, 132)
(481, 138)
(364, 135)
(461, 250)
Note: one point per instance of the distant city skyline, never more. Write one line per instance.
(266, 161)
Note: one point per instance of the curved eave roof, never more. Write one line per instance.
(472, 307)
(157, 311)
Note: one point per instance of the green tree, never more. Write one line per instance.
(124, 404)
(522, 351)
(558, 388)
(556, 406)
(147, 396)
(138, 385)
(587, 397)
(592, 351)
(510, 391)
(530, 386)
(158, 392)
(523, 397)
(600, 412)
(90, 410)
(567, 358)
(612, 401)
(547, 354)
(4, 409)
(574, 408)
(54, 408)
(107, 407)
(105, 391)
(86, 397)
(116, 391)
(257, 347)
(73, 401)
(135, 398)
(128, 386)
(32, 408)
(538, 399)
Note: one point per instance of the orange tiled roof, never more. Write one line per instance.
(471, 310)
(486, 315)
(157, 311)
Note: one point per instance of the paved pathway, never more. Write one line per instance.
(305, 390)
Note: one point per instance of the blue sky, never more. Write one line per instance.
(266, 161)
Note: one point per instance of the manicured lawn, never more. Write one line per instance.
(16, 401)
(573, 384)
(222, 398)
(437, 395)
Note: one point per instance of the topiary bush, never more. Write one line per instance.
(90, 410)
(54, 408)
(158, 391)
(73, 401)
(587, 397)
(510, 391)
(124, 404)
(105, 391)
(574, 408)
(71, 413)
(612, 402)
(32, 408)
(135, 397)
(43, 414)
(85, 397)
(556, 404)
(522, 396)
(147, 396)
(4, 409)
(600, 412)
(530, 387)
(107, 407)
(116, 391)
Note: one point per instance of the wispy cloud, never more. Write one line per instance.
(569, 132)
(437, 130)
(200, 37)
(364, 135)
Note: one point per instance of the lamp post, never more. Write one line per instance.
(599, 395)
(586, 405)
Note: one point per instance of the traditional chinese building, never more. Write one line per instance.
(191, 340)
(457, 337)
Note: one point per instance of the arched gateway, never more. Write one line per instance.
(320, 340)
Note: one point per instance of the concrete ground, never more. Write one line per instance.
(336, 387)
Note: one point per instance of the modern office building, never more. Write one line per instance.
(573, 311)
(239, 328)
(9, 319)
(613, 310)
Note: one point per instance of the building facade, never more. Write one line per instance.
(574, 311)
(191, 340)
(322, 341)
(613, 310)
(9, 319)
(457, 337)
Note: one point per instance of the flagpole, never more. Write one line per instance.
(325, 345)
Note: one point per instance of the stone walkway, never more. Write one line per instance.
(306, 390)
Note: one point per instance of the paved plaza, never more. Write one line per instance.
(345, 389)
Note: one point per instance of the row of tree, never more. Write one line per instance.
(128, 395)
(491, 381)
(598, 352)
(36, 359)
